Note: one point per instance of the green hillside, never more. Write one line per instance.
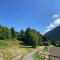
(54, 35)
(10, 49)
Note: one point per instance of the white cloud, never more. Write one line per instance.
(51, 26)
(55, 16)
(57, 22)
(54, 24)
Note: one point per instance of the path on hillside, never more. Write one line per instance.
(17, 57)
(29, 56)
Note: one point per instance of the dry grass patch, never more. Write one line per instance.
(10, 49)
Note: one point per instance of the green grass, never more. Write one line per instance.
(11, 48)
(8, 43)
(45, 49)
(37, 56)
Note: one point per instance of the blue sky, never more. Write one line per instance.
(28, 13)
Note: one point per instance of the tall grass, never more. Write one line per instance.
(10, 48)
(37, 56)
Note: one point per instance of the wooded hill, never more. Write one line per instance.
(54, 36)
(29, 36)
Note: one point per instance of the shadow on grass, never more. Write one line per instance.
(24, 45)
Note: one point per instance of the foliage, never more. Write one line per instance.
(22, 35)
(45, 41)
(13, 32)
(54, 36)
(5, 33)
(32, 37)
(29, 36)
(38, 56)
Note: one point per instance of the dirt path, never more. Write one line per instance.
(29, 56)
(1, 56)
(17, 57)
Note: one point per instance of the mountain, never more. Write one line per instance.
(54, 34)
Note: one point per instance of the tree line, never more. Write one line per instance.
(29, 36)
(6, 33)
(33, 37)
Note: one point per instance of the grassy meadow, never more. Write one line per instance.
(11, 48)
(40, 54)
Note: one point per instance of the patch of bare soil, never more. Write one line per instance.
(54, 51)
(1, 56)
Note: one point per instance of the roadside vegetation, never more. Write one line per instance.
(29, 36)
(11, 46)
(38, 57)
(40, 54)
(10, 49)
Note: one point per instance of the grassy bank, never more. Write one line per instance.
(38, 56)
(11, 48)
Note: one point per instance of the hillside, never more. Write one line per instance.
(54, 35)
(10, 49)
